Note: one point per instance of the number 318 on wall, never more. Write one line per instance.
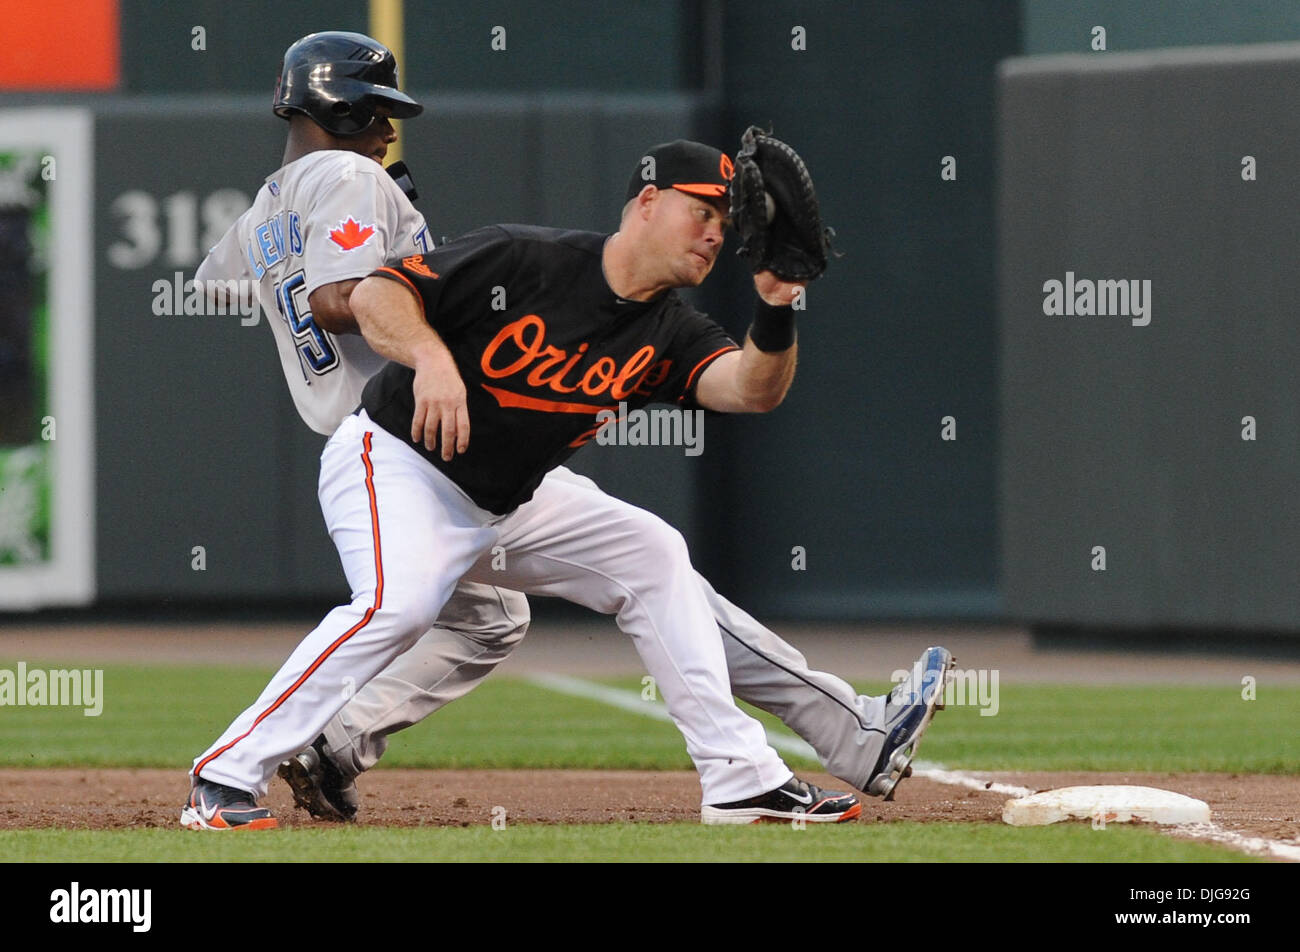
(177, 234)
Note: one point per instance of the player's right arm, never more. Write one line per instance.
(391, 318)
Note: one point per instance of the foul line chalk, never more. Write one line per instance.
(1211, 832)
(633, 702)
(955, 778)
(1254, 845)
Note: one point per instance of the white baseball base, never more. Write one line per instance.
(1105, 804)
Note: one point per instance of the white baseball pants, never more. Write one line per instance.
(406, 535)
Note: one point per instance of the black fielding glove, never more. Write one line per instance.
(774, 208)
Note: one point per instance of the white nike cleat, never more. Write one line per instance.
(793, 800)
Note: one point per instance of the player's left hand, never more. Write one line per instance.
(774, 291)
(441, 407)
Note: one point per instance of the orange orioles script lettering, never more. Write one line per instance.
(416, 263)
(520, 348)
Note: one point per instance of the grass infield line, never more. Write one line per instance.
(633, 702)
(795, 746)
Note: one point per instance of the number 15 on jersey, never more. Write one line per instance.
(315, 347)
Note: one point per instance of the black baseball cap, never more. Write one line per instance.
(691, 167)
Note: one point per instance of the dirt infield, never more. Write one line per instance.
(80, 798)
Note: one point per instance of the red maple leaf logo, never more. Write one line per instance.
(350, 234)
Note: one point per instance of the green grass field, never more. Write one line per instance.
(631, 842)
(163, 717)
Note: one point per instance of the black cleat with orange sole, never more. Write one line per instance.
(214, 806)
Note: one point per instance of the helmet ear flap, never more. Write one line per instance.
(352, 117)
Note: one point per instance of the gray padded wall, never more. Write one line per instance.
(1065, 26)
(894, 520)
(1130, 437)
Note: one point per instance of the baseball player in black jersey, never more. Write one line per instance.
(506, 345)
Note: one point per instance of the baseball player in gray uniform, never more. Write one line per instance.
(327, 218)
(320, 223)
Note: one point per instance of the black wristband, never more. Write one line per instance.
(773, 327)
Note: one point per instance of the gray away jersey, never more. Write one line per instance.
(328, 216)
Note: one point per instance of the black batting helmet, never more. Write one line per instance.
(338, 79)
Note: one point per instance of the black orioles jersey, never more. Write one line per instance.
(543, 345)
